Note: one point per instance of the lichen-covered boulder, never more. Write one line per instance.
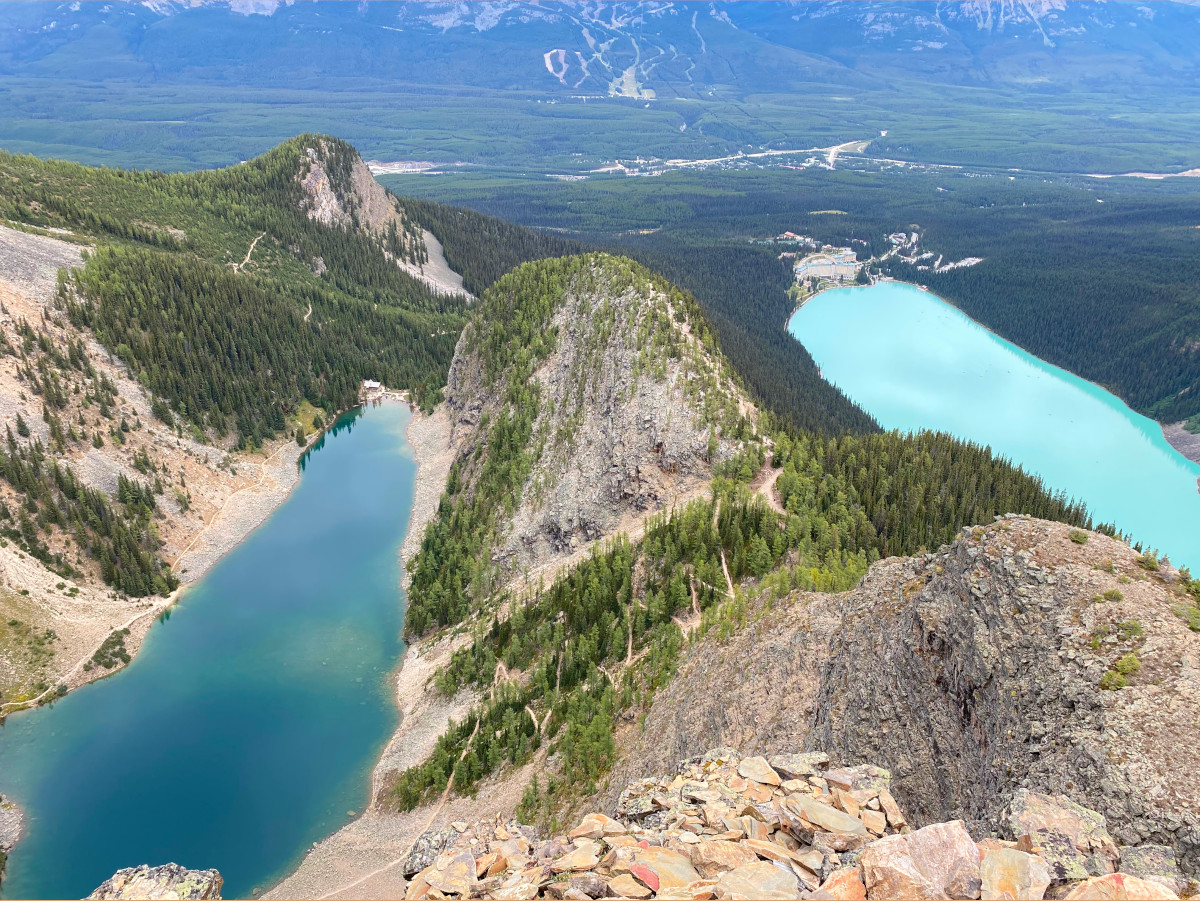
(1154, 863)
(169, 882)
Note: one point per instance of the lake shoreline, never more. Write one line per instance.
(919, 362)
(1186, 444)
(376, 840)
(1182, 440)
(245, 510)
(225, 536)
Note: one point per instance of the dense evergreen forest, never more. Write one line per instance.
(1101, 277)
(234, 340)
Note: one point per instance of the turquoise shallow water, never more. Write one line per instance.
(247, 726)
(916, 362)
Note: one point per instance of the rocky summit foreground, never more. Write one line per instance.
(724, 826)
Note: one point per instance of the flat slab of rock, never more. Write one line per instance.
(939, 861)
(625, 886)
(799, 766)
(759, 770)
(829, 819)
(715, 857)
(1010, 875)
(758, 882)
(670, 869)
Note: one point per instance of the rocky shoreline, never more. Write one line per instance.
(1182, 440)
(11, 820)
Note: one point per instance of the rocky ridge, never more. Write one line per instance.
(723, 826)
(1013, 659)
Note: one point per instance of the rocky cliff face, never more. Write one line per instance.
(340, 191)
(634, 408)
(1013, 658)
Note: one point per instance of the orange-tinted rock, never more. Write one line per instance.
(845, 884)
(625, 886)
(1120, 887)
(1008, 875)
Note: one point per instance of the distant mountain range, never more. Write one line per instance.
(738, 73)
(672, 49)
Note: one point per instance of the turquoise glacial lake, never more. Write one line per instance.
(247, 727)
(914, 362)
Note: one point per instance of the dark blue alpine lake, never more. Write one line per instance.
(247, 726)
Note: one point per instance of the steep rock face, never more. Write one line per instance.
(972, 673)
(633, 410)
(170, 882)
(342, 192)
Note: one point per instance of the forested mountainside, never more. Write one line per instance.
(583, 388)
(260, 254)
(559, 659)
(300, 257)
(1098, 276)
(163, 339)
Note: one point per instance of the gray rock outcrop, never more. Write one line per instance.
(633, 410)
(971, 674)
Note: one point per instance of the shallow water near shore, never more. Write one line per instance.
(914, 361)
(248, 725)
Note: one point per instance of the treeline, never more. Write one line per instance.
(234, 354)
(121, 539)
